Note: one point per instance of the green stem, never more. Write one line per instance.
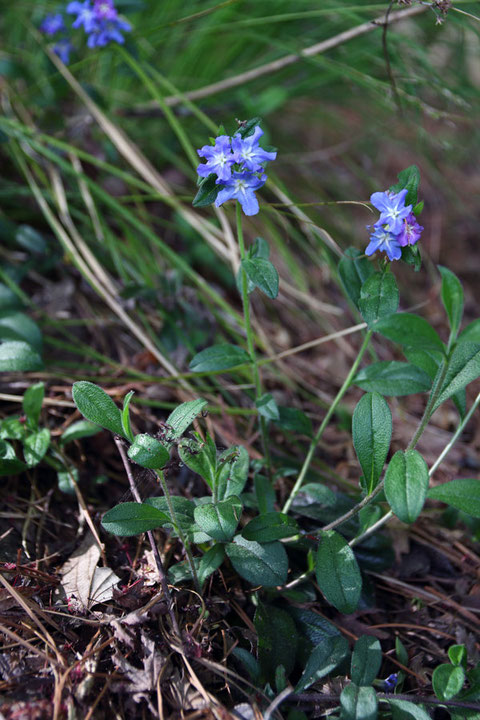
(178, 529)
(250, 341)
(427, 414)
(321, 429)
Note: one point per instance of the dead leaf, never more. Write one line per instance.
(84, 582)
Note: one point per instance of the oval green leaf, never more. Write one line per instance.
(219, 520)
(35, 446)
(452, 298)
(447, 681)
(379, 297)
(337, 572)
(372, 432)
(463, 368)
(328, 653)
(354, 269)
(358, 703)
(98, 407)
(270, 526)
(17, 356)
(462, 494)
(366, 660)
(182, 417)
(406, 484)
(219, 357)
(265, 565)
(148, 452)
(262, 274)
(409, 330)
(133, 518)
(393, 379)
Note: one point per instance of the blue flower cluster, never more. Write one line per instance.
(99, 20)
(238, 164)
(396, 227)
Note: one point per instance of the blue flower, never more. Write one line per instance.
(410, 232)
(108, 31)
(390, 683)
(52, 24)
(242, 187)
(105, 9)
(100, 22)
(249, 153)
(63, 48)
(219, 159)
(392, 208)
(384, 240)
(86, 16)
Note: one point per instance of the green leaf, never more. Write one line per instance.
(447, 681)
(379, 297)
(462, 494)
(35, 446)
(262, 274)
(201, 457)
(265, 565)
(219, 357)
(32, 403)
(406, 484)
(409, 179)
(12, 429)
(133, 518)
(125, 417)
(410, 330)
(452, 298)
(463, 368)
(270, 526)
(267, 407)
(182, 507)
(259, 249)
(372, 432)
(148, 452)
(249, 662)
(18, 326)
(66, 479)
(96, 406)
(219, 520)
(79, 429)
(354, 269)
(366, 660)
(313, 626)
(457, 655)
(404, 710)
(401, 651)
(232, 472)
(393, 379)
(426, 360)
(412, 256)
(29, 239)
(294, 420)
(327, 655)
(207, 192)
(16, 356)
(209, 562)
(247, 127)
(471, 333)
(9, 463)
(358, 703)
(183, 416)
(337, 572)
(277, 641)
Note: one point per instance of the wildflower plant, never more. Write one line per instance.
(99, 20)
(336, 535)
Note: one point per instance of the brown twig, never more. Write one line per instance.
(158, 560)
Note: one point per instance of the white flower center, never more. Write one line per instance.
(240, 185)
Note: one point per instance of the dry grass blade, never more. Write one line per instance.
(287, 60)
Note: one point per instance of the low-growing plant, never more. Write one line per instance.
(282, 546)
